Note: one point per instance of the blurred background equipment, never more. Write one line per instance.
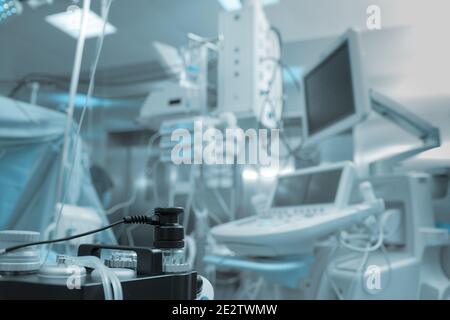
(112, 109)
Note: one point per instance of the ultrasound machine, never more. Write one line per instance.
(305, 206)
(347, 191)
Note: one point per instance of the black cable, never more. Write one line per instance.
(292, 151)
(277, 33)
(126, 220)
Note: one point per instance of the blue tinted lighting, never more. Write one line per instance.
(94, 102)
(7, 9)
(294, 74)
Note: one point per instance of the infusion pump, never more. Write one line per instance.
(305, 206)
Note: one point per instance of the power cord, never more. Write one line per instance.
(139, 219)
(280, 66)
(345, 241)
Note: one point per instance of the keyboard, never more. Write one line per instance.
(275, 233)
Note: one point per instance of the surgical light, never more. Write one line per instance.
(70, 23)
(8, 8)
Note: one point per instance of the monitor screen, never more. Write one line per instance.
(307, 189)
(329, 91)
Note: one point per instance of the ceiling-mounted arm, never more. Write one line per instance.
(408, 121)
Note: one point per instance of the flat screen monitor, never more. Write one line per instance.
(335, 94)
(307, 189)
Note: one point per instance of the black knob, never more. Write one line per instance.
(169, 233)
(169, 215)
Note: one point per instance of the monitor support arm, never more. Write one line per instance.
(408, 121)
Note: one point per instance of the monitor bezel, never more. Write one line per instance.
(344, 188)
(360, 90)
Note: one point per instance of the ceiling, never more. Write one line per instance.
(30, 45)
(35, 46)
